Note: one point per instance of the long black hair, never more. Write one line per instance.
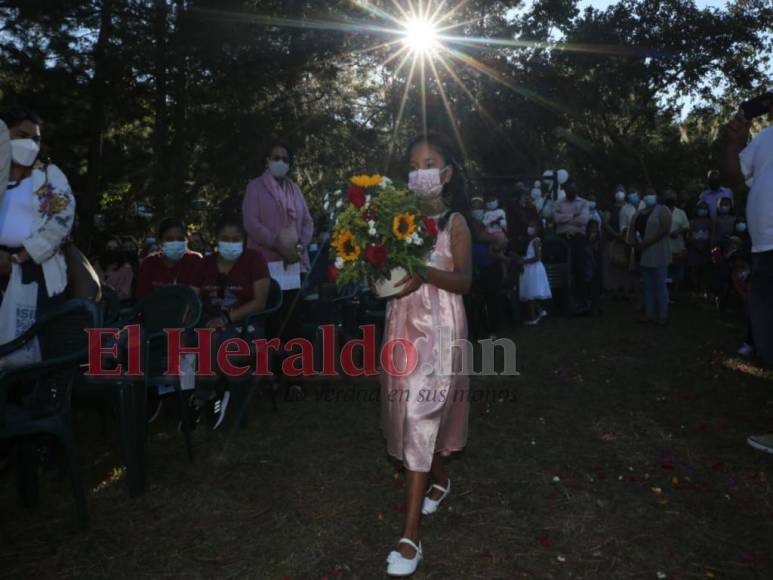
(15, 117)
(455, 191)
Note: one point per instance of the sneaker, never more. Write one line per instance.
(194, 412)
(746, 349)
(761, 442)
(542, 314)
(217, 409)
(159, 403)
(295, 393)
(534, 322)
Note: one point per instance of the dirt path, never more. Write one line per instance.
(621, 455)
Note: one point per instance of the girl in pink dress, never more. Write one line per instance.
(424, 414)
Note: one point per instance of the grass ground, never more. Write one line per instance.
(620, 454)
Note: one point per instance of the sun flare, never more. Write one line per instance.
(421, 35)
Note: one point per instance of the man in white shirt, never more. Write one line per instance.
(632, 201)
(754, 163)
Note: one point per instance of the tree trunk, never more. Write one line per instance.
(160, 182)
(178, 154)
(89, 201)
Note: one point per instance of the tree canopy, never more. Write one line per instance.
(171, 103)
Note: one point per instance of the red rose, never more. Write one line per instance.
(376, 255)
(332, 273)
(431, 226)
(356, 196)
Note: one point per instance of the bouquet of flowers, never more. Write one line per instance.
(379, 235)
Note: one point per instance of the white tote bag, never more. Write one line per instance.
(17, 314)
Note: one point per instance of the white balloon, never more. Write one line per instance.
(563, 176)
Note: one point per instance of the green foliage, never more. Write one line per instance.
(169, 101)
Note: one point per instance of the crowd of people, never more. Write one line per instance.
(643, 246)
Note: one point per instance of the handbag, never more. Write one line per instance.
(619, 255)
(82, 279)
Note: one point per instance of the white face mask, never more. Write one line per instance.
(531, 231)
(24, 151)
(492, 205)
(426, 182)
(278, 168)
(620, 196)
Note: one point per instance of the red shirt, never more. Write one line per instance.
(228, 291)
(155, 274)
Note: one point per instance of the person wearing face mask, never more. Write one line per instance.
(422, 430)
(114, 269)
(649, 236)
(699, 249)
(495, 218)
(715, 193)
(276, 216)
(37, 211)
(616, 276)
(680, 226)
(488, 280)
(571, 217)
(533, 283)
(234, 283)
(173, 264)
(279, 225)
(631, 206)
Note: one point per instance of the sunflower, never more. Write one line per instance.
(403, 225)
(367, 180)
(346, 246)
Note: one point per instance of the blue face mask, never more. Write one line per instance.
(740, 227)
(230, 251)
(633, 198)
(592, 205)
(478, 214)
(650, 200)
(174, 251)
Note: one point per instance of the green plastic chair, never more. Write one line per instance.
(253, 327)
(111, 305)
(168, 307)
(46, 389)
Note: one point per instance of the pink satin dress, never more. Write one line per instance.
(426, 411)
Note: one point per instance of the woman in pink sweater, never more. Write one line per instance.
(279, 225)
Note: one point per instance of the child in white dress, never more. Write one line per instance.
(534, 285)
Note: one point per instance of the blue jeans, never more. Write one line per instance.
(655, 291)
(761, 305)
